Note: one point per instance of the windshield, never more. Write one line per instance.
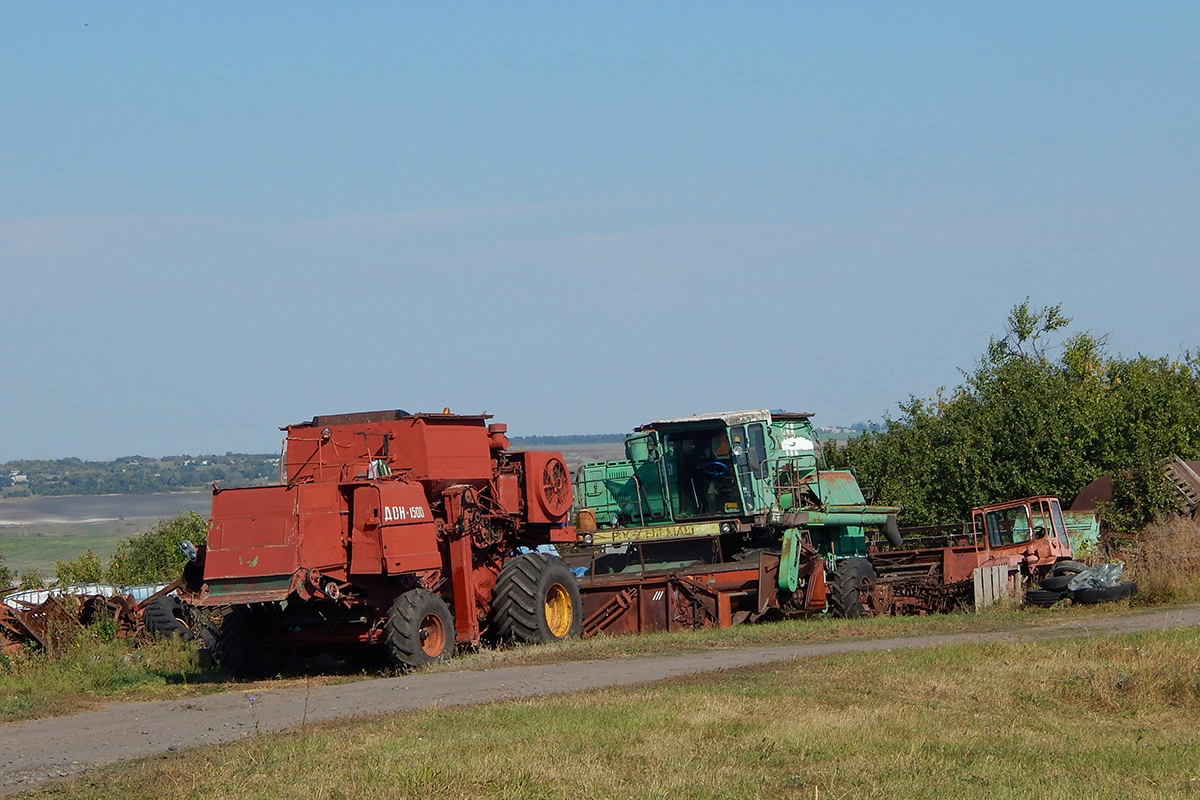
(1008, 526)
(700, 470)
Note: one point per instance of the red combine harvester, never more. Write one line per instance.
(417, 532)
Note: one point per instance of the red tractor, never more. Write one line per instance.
(417, 532)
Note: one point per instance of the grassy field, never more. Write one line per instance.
(1106, 717)
(97, 669)
(36, 547)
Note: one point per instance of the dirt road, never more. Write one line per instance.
(48, 749)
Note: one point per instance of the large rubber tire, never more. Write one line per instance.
(1056, 583)
(243, 649)
(850, 577)
(1109, 594)
(1068, 568)
(167, 615)
(536, 600)
(1044, 597)
(419, 630)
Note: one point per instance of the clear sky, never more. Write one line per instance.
(219, 218)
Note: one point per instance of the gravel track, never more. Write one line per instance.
(51, 749)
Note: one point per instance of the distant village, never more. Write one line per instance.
(135, 474)
(141, 474)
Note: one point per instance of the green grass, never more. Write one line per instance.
(37, 547)
(97, 668)
(1103, 717)
(783, 632)
(93, 668)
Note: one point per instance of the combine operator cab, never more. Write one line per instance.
(709, 467)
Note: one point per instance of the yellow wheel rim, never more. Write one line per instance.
(558, 611)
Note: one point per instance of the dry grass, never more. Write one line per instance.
(1164, 560)
(1109, 717)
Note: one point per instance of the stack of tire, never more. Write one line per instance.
(1056, 588)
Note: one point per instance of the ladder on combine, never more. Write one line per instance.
(1185, 481)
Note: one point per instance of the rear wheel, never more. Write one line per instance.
(536, 600)
(245, 648)
(852, 582)
(419, 630)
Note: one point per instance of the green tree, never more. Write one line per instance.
(31, 579)
(1024, 423)
(88, 568)
(154, 556)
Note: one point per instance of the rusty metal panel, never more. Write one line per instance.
(408, 532)
(321, 512)
(678, 599)
(251, 517)
(366, 547)
(656, 603)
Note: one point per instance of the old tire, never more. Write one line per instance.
(1044, 598)
(419, 630)
(244, 647)
(1057, 583)
(1068, 568)
(536, 600)
(852, 577)
(1107, 594)
(167, 615)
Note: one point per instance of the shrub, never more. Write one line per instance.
(154, 556)
(1164, 560)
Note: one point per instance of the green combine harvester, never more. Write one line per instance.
(717, 488)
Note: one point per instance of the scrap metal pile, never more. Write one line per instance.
(49, 619)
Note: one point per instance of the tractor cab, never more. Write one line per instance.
(723, 466)
(1032, 527)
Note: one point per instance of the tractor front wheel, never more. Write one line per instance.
(852, 582)
(536, 600)
(419, 630)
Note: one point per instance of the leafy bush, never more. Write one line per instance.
(154, 556)
(151, 557)
(86, 569)
(1023, 424)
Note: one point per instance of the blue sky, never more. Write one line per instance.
(220, 218)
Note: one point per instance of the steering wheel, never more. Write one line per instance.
(713, 469)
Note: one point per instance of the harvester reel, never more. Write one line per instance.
(555, 488)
